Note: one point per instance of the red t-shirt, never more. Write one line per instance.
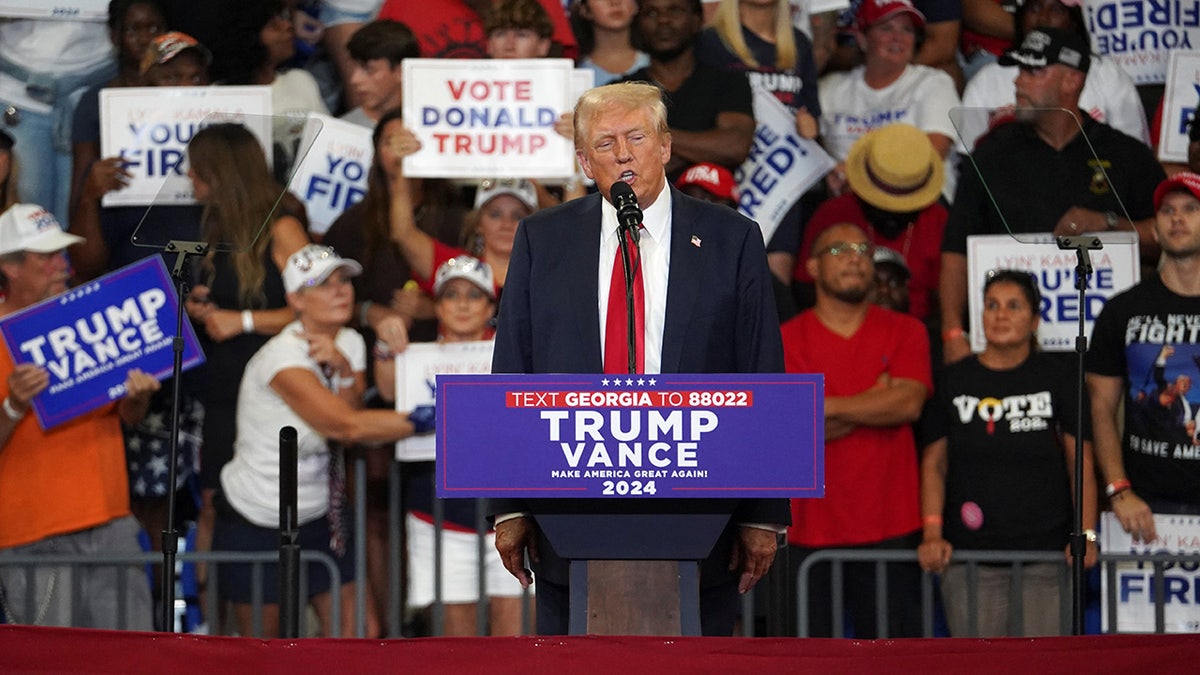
(920, 244)
(449, 29)
(871, 489)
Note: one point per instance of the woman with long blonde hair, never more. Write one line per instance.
(757, 37)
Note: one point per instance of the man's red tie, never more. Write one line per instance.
(616, 340)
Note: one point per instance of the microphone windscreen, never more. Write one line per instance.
(621, 193)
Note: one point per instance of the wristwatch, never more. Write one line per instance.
(1111, 220)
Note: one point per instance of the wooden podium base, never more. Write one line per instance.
(635, 597)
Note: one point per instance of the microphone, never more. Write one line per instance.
(629, 214)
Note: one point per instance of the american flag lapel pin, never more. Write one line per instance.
(695, 241)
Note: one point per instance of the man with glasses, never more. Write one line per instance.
(877, 377)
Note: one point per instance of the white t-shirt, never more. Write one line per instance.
(250, 480)
(50, 48)
(921, 96)
(1108, 95)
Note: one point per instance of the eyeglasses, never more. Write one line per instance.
(862, 250)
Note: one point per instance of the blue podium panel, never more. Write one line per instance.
(631, 437)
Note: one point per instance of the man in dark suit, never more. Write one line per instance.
(709, 308)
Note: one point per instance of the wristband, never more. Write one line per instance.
(13, 413)
(382, 351)
(344, 383)
(1116, 487)
(247, 321)
(932, 519)
(953, 334)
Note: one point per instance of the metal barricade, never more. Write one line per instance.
(258, 560)
(1159, 593)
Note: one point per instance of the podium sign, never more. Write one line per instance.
(631, 437)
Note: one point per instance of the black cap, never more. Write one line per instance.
(1047, 46)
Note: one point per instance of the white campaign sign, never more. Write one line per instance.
(150, 128)
(333, 175)
(73, 10)
(480, 118)
(1140, 35)
(1180, 98)
(1115, 268)
(417, 368)
(781, 166)
(1135, 581)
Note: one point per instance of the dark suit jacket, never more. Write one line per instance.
(720, 318)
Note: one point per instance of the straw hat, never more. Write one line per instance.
(895, 168)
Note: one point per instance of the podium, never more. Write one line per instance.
(631, 480)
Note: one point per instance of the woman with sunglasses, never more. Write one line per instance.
(998, 474)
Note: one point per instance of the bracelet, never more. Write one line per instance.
(1116, 487)
(382, 351)
(932, 519)
(953, 334)
(247, 321)
(345, 382)
(13, 413)
(363, 308)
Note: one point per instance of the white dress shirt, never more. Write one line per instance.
(656, 262)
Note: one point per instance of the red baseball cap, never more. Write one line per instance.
(871, 12)
(712, 178)
(1180, 182)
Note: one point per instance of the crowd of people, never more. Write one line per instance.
(928, 447)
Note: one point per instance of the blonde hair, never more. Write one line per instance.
(728, 25)
(623, 96)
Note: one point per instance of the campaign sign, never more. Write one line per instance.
(1140, 35)
(91, 336)
(73, 10)
(417, 368)
(333, 175)
(1180, 98)
(1135, 580)
(1115, 268)
(781, 165)
(648, 436)
(479, 118)
(150, 127)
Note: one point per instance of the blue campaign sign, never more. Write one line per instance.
(645, 436)
(91, 336)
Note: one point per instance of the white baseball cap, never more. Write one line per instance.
(523, 190)
(313, 264)
(29, 227)
(465, 267)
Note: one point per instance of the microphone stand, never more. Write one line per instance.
(629, 269)
(170, 538)
(1081, 245)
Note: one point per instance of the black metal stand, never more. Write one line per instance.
(630, 267)
(1081, 246)
(289, 537)
(170, 536)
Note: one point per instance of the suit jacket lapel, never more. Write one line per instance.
(681, 286)
(579, 258)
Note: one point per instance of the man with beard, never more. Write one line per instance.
(1053, 169)
(710, 111)
(877, 377)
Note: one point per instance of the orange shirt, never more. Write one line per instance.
(67, 479)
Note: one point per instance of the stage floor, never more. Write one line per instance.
(63, 650)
